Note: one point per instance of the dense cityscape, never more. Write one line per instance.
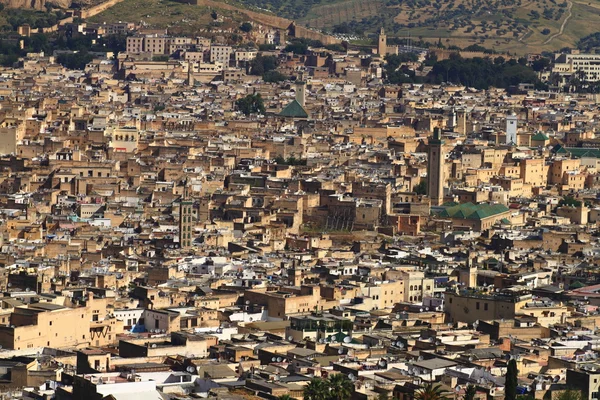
(258, 212)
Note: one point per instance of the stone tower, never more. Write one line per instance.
(382, 45)
(511, 129)
(186, 220)
(435, 169)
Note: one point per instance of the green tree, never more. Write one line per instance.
(569, 201)
(421, 188)
(274, 77)
(340, 387)
(569, 394)
(510, 385)
(384, 396)
(262, 64)
(470, 393)
(251, 104)
(431, 392)
(297, 47)
(285, 397)
(317, 389)
(246, 27)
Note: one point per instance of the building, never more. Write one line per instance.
(472, 305)
(220, 54)
(574, 64)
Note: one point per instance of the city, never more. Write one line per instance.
(271, 211)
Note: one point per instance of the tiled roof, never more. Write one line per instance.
(473, 211)
(294, 110)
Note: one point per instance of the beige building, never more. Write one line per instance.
(220, 54)
(471, 306)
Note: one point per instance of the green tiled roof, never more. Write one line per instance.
(473, 211)
(294, 110)
(577, 152)
(539, 136)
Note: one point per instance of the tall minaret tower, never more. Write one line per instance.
(435, 169)
(186, 222)
(382, 45)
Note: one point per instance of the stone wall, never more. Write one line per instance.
(270, 20)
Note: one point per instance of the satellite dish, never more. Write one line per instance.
(341, 351)
(279, 359)
(420, 358)
(191, 369)
(347, 339)
(153, 345)
(290, 338)
(274, 359)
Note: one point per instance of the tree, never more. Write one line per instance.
(317, 389)
(274, 77)
(340, 387)
(510, 385)
(262, 64)
(470, 393)
(421, 187)
(431, 392)
(384, 396)
(285, 397)
(569, 394)
(251, 104)
(569, 201)
(246, 27)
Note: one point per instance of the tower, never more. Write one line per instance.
(461, 127)
(185, 220)
(451, 124)
(382, 45)
(435, 169)
(301, 93)
(511, 129)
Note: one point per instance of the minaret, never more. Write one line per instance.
(451, 124)
(435, 169)
(186, 223)
(301, 92)
(382, 46)
(511, 129)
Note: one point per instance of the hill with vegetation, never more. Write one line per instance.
(517, 26)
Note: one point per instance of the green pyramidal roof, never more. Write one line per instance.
(539, 136)
(294, 110)
(472, 211)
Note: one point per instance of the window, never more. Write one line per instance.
(485, 306)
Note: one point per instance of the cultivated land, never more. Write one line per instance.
(518, 26)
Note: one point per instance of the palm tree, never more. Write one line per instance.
(317, 389)
(340, 387)
(431, 392)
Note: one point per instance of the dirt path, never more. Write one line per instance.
(562, 26)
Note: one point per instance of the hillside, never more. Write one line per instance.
(178, 17)
(511, 25)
